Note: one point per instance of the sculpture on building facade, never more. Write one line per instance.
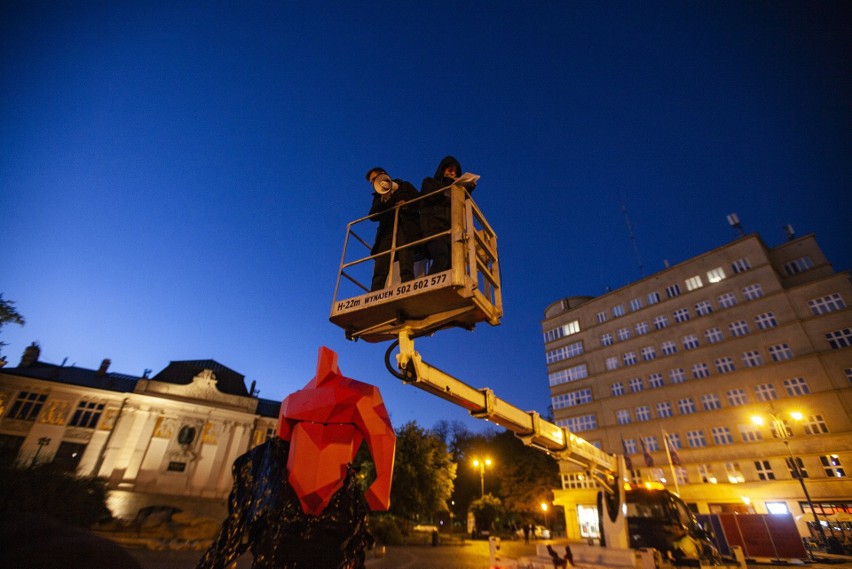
(296, 501)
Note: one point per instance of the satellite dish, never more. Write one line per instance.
(383, 184)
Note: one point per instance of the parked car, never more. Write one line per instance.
(540, 532)
(425, 527)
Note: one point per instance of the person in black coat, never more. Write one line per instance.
(435, 212)
(408, 227)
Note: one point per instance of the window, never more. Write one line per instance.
(722, 435)
(668, 348)
(616, 389)
(796, 467)
(635, 304)
(799, 265)
(636, 385)
(618, 310)
(27, 406)
(736, 397)
(765, 392)
(733, 472)
(622, 416)
(681, 315)
(664, 409)
(780, 352)
(682, 475)
(693, 283)
(655, 380)
(629, 446)
(623, 334)
(752, 359)
(606, 339)
(176, 466)
(653, 297)
(766, 321)
(725, 365)
(705, 471)
(696, 439)
(710, 401)
(741, 265)
(716, 275)
(651, 444)
(686, 406)
(660, 322)
(839, 338)
(560, 331)
(826, 304)
(612, 363)
(629, 358)
(690, 342)
(700, 370)
(750, 433)
(752, 292)
(764, 470)
(796, 386)
(641, 328)
(738, 328)
(601, 317)
(815, 425)
(703, 308)
(567, 375)
(673, 291)
(831, 465)
(572, 398)
(727, 300)
(649, 353)
(87, 415)
(713, 335)
(564, 353)
(643, 413)
(677, 375)
(579, 424)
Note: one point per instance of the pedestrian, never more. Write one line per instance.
(435, 211)
(397, 192)
(526, 533)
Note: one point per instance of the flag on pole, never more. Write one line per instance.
(627, 462)
(673, 455)
(649, 460)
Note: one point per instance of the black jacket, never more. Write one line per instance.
(409, 216)
(435, 210)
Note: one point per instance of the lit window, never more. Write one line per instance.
(732, 470)
(561, 331)
(752, 292)
(713, 335)
(693, 283)
(766, 321)
(826, 304)
(705, 472)
(831, 465)
(716, 275)
(736, 397)
(700, 370)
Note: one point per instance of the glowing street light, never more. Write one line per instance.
(544, 509)
(481, 464)
(781, 431)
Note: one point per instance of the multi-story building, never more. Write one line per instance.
(166, 440)
(697, 353)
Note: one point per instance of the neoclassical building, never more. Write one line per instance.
(698, 352)
(163, 440)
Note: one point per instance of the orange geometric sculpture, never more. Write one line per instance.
(326, 422)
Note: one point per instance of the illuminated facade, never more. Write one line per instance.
(170, 439)
(695, 352)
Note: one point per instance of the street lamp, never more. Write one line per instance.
(42, 442)
(780, 431)
(481, 464)
(544, 509)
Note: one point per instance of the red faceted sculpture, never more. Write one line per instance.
(325, 423)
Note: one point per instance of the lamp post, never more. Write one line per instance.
(780, 428)
(544, 509)
(481, 464)
(42, 442)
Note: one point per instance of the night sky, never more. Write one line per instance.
(176, 177)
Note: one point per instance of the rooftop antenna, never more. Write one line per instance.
(734, 221)
(632, 239)
(791, 233)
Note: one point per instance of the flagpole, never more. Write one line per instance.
(667, 442)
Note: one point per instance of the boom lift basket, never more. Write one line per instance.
(464, 295)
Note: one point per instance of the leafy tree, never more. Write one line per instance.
(423, 473)
(8, 314)
(487, 511)
(527, 476)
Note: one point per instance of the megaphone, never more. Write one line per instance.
(383, 184)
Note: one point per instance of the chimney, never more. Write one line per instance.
(104, 367)
(31, 354)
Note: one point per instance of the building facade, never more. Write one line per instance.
(166, 440)
(695, 355)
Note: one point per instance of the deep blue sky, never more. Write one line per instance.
(175, 177)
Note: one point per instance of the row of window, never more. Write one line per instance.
(692, 283)
(28, 405)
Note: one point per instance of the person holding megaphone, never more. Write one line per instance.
(388, 194)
